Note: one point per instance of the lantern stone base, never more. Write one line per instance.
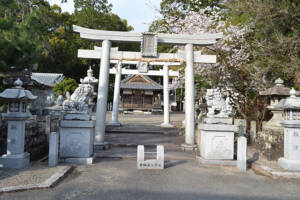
(188, 147)
(290, 165)
(80, 161)
(101, 145)
(166, 125)
(216, 162)
(76, 141)
(217, 141)
(114, 123)
(16, 161)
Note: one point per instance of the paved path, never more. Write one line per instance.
(119, 179)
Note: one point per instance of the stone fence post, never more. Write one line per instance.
(53, 149)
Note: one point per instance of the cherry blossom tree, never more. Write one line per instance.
(242, 80)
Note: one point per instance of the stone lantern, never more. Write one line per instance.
(291, 124)
(16, 116)
(275, 93)
(274, 96)
(90, 80)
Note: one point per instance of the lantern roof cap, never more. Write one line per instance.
(18, 83)
(292, 102)
(89, 79)
(277, 90)
(279, 82)
(17, 93)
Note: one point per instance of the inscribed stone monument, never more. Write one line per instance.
(143, 163)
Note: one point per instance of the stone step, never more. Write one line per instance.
(131, 153)
(140, 129)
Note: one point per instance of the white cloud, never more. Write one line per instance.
(65, 7)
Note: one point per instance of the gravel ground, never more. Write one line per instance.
(36, 174)
(119, 179)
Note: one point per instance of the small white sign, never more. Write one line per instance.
(142, 67)
(157, 163)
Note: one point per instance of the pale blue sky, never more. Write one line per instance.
(138, 13)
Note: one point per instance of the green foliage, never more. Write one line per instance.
(21, 33)
(66, 85)
(275, 45)
(33, 32)
(201, 82)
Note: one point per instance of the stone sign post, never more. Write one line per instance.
(242, 153)
(188, 56)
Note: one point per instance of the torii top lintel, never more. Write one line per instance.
(119, 36)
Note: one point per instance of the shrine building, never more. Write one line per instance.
(140, 92)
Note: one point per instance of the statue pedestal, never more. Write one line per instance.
(290, 165)
(76, 141)
(217, 142)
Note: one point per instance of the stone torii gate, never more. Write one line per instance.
(118, 71)
(148, 51)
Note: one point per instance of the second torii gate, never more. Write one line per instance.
(118, 71)
(148, 50)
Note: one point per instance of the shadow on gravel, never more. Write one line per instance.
(98, 160)
(157, 195)
(169, 164)
(254, 158)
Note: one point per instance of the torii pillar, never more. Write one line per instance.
(102, 97)
(189, 99)
(150, 42)
(115, 112)
(166, 123)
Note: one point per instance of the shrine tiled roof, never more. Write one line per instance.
(147, 84)
(48, 79)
